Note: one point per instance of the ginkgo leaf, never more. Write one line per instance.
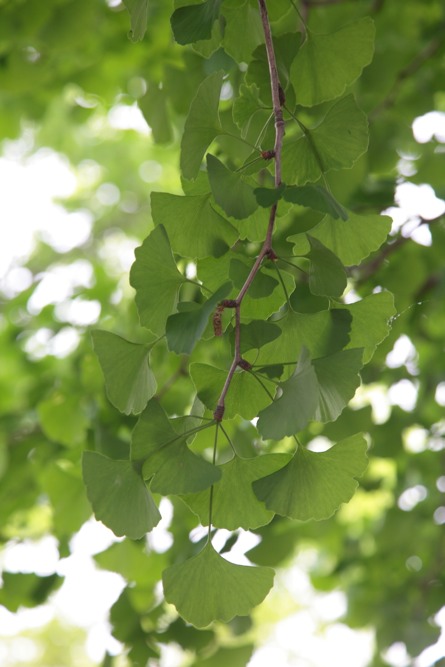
(371, 321)
(336, 143)
(295, 407)
(185, 328)
(156, 280)
(190, 217)
(245, 396)
(326, 64)
(239, 42)
(234, 505)
(208, 588)
(255, 334)
(327, 276)
(314, 484)
(338, 378)
(352, 240)
(151, 432)
(230, 191)
(317, 198)
(246, 105)
(177, 470)
(201, 126)
(194, 22)
(322, 333)
(129, 381)
(138, 10)
(119, 496)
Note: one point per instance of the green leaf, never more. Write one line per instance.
(234, 504)
(129, 380)
(267, 197)
(154, 108)
(245, 396)
(63, 418)
(351, 240)
(322, 333)
(177, 470)
(296, 405)
(263, 285)
(194, 22)
(208, 588)
(371, 321)
(336, 143)
(256, 334)
(194, 228)
(314, 484)
(246, 105)
(317, 198)
(138, 10)
(201, 126)
(119, 496)
(239, 41)
(132, 560)
(152, 430)
(184, 329)
(338, 378)
(327, 276)
(230, 191)
(326, 64)
(156, 280)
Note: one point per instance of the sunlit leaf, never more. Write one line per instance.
(327, 276)
(336, 143)
(326, 64)
(234, 503)
(138, 10)
(63, 418)
(119, 496)
(314, 484)
(156, 280)
(245, 396)
(208, 588)
(338, 378)
(129, 380)
(317, 198)
(352, 240)
(152, 430)
(192, 217)
(202, 125)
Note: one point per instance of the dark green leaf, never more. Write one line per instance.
(317, 198)
(184, 329)
(152, 430)
(267, 197)
(296, 405)
(194, 22)
(338, 378)
(230, 191)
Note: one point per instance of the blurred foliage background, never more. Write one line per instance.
(72, 88)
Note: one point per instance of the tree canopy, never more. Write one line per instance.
(271, 357)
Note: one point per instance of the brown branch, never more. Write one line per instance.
(266, 250)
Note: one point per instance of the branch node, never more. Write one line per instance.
(229, 303)
(242, 363)
(219, 413)
(268, 155)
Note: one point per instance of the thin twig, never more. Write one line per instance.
(266, 250)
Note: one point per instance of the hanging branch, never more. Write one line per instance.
(278, 101)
